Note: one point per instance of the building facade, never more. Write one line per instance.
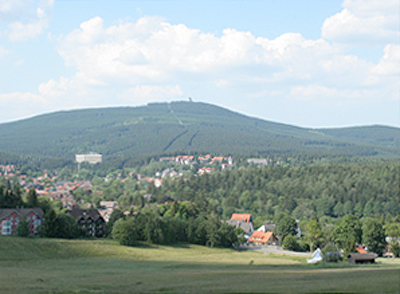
(92, 158)
(10, 217)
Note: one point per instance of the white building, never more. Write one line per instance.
(92, 158)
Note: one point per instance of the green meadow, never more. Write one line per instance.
(34, 265)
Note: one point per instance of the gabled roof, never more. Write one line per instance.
(246, 227)
(21, 211)
(78, 214)
(243, 217)
(261, 237)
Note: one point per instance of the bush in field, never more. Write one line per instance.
(124, 231)
(290, 243)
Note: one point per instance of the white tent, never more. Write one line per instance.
(316, 256)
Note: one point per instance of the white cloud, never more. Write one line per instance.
(55, 89)
(27, 19)
(364, 22)
(141, 58)
(390, 62)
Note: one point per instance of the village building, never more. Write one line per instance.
(90, 221)
(10, 217)
(261, 238)
(357, 258)
(243, 221)
(92, 158)
(243, 217)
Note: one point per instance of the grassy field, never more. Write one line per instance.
(83, 266)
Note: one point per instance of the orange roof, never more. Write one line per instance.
(243, 217)
(261, 237)
(360, 249)
(220, 158)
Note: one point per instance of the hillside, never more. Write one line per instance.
(184, 127)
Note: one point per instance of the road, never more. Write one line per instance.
(274, 250)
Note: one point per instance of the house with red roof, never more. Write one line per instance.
(361, 249)
(261, 238)
(242, 217)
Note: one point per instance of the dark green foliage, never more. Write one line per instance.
(331, 190)
(10, 197)
(285, 226)
(373, 235)
(115, 215)
(239, 232)
(197, 230)
(22, 228)
(290, 243)
(49, 228)
(313, 233)
(31, 199)
(59, 226)
(124, 231)
(347, 233)
(151, 227)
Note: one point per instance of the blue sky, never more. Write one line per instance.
(307, 63)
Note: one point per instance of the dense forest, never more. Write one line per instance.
(368, 189)
(331, 190)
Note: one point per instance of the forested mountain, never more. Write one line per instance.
(186, 127)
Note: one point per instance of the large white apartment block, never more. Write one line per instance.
(92, 158)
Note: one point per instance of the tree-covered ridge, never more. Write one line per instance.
(184, 127)
(367, 189)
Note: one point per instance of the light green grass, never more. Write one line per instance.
(84, 266)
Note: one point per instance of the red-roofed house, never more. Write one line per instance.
(242, 217)
(261, 238)
(360, 249)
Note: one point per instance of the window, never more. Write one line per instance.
(36, 224)
(33, 217)
(6, 227)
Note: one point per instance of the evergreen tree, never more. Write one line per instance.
(31, 199)
(50, 226)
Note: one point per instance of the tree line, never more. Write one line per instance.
(366, 189)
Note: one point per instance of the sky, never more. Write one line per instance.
(320, 63)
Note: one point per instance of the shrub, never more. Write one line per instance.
(290, 243)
